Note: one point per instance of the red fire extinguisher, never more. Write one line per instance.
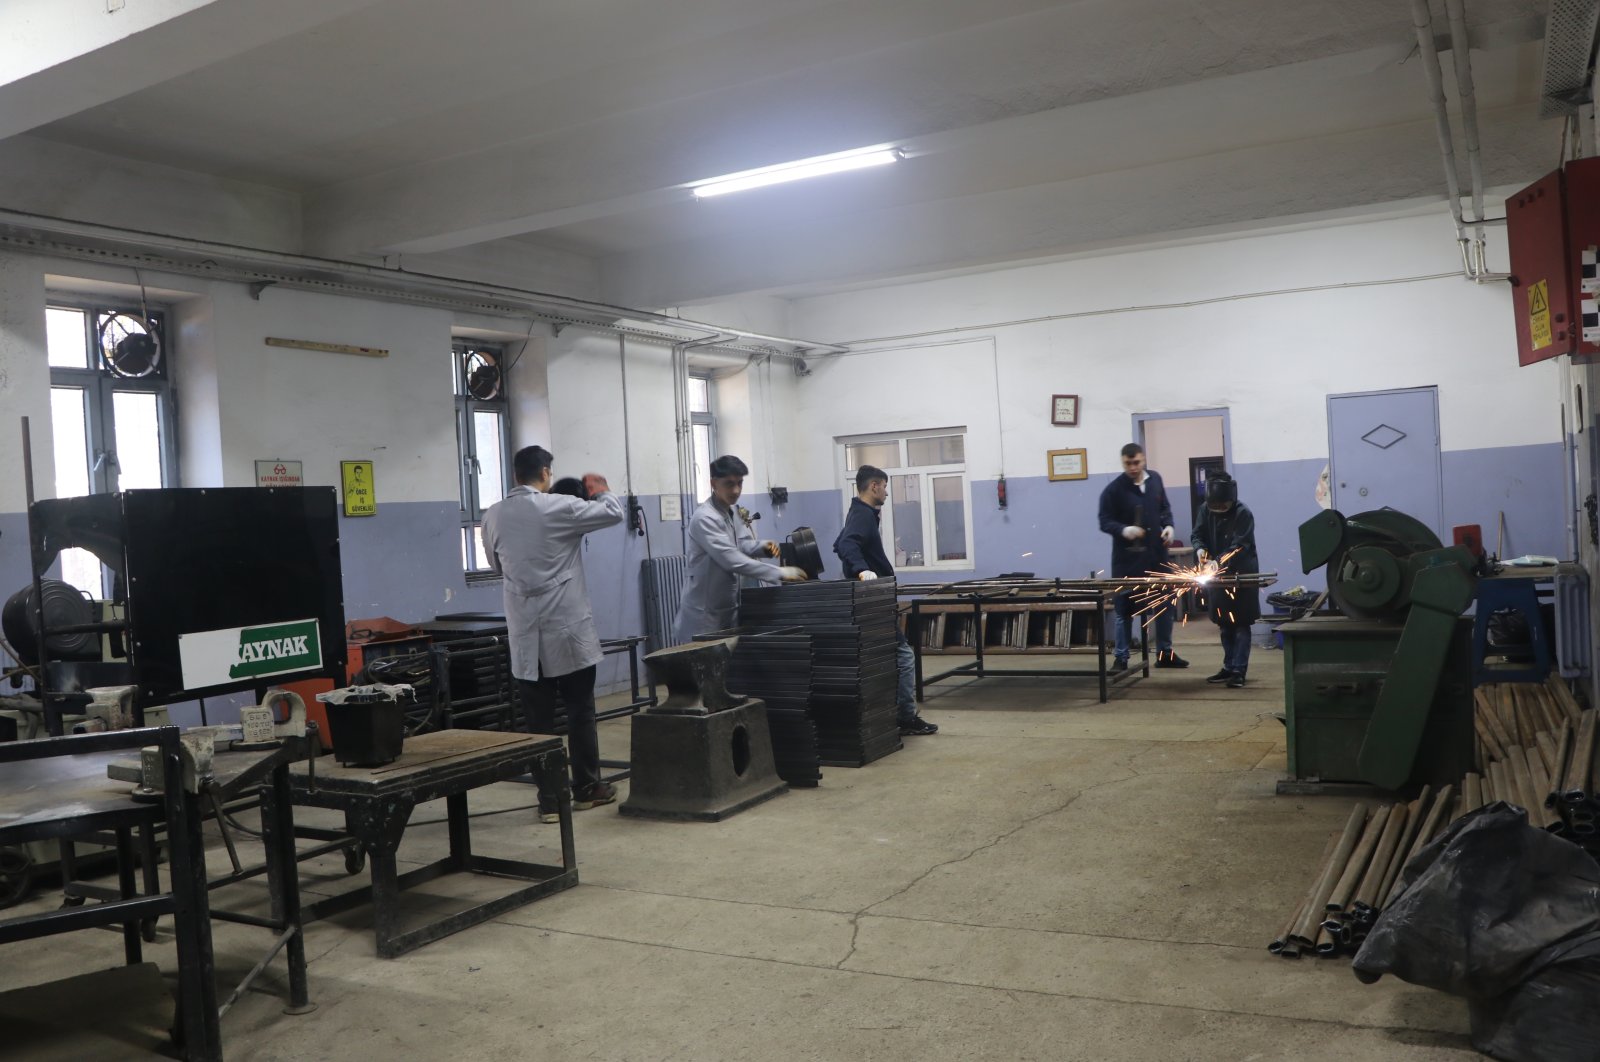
(1000, 490)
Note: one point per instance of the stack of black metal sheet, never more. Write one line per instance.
(775, 665)
(854, 677)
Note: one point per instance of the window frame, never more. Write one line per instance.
(468, 466)
(100, 387)
(926, 474)
(703, 419)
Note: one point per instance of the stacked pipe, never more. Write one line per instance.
(1536, 750)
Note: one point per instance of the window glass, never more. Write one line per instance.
(905, 502)
(702, 460)
(64, 338)
(881, 454)
(949, 518)
(487, 433)
(138, 427)
(699, 394)
(70, 430)
(938, 450)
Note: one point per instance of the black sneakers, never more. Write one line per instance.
(917, 726)
(1168, 658)
(592, 796)
(1117, 666)
(1236, 680)
(1220, 677)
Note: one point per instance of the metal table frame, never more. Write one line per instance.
(377, 804)
(980, 598)
(106, 805)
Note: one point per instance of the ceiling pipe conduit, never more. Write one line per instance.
(1461, 55)
(1422, 22)
(88, 241)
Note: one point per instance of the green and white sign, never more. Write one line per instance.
(239, 654)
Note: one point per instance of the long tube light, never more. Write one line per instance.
(860, 158)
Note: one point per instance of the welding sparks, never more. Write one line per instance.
(1177, 580)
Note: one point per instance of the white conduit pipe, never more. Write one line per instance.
(1422, 20)
(1461, 56)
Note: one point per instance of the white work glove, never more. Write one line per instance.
(791, 574)
(1132, 532)
(1166, 535)
(867, 577)
(1201, 556)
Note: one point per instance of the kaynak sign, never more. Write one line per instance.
(235, 654)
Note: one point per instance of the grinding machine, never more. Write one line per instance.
(1381, 694)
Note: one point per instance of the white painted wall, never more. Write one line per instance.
(1366, 324)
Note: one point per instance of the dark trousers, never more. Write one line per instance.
(1235, 646)
(583, 743)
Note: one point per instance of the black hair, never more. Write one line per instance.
(728, 465)
(531, 462)
(570, 485)
(869, 474)
(1132, 450)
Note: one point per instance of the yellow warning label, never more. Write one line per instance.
(1539, 314)
(360, 494)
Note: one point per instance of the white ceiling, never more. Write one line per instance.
(528, 128)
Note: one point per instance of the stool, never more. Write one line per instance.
(1520, 595)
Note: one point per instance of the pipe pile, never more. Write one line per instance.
(1536, 749)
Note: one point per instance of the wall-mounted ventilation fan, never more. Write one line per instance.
(130, 346)
(482, 371)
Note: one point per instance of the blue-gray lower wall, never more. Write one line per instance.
(405, 562)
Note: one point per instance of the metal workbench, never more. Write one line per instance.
(377, 803)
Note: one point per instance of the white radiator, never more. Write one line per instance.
(1572, 621)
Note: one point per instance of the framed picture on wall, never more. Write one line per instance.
(1068, 464)
(1064, 410)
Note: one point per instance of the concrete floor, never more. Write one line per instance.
(1047, 878)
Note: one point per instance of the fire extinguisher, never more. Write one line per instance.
(1000, 490)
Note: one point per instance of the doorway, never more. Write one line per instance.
(1185, 448)
(1383, 449)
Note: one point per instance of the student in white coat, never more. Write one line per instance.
(534, 539)
(721, 549)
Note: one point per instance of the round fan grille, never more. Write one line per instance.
(129, 345)
(482, 371)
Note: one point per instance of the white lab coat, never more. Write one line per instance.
(535, 542)
(721, 549)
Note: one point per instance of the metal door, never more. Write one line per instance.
(1384, 452)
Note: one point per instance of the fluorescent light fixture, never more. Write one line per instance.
(858, 159)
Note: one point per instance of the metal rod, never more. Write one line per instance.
(1414, 812)
(1317, 898)
(1580, 760)
(249, 978)
(1345, 887)
(1367, 891)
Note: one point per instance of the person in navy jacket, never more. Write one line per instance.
(860, 550)
(1136, 513)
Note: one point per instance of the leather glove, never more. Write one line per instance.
(1132, 531)
(867, 577)
(1166, 535)
(792, 575)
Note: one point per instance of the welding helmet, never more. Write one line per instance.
(1221, 492)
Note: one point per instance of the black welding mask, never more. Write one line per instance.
(1221, 492)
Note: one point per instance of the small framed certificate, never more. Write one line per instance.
(1068, 464)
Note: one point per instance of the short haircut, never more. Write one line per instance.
(570, 485)
(869, 474)
(531, 462)
(728, 465)
(1132, 450)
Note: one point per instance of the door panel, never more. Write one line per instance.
(1384, 452)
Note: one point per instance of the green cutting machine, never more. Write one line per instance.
(1381, 694)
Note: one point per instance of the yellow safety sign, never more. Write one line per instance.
(1539, 314)
(360, 493)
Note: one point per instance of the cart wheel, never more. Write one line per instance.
(355, 860)
(16, 876)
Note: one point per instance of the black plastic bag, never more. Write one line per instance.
(1508, 917)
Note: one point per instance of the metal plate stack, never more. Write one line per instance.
(853, 681)
(775, 665)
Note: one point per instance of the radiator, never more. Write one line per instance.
(663, 589)
(1572, 620)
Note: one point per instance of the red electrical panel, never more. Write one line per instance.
(1541, 293)
(1553, 228)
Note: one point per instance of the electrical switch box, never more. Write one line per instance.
(1553, 228)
